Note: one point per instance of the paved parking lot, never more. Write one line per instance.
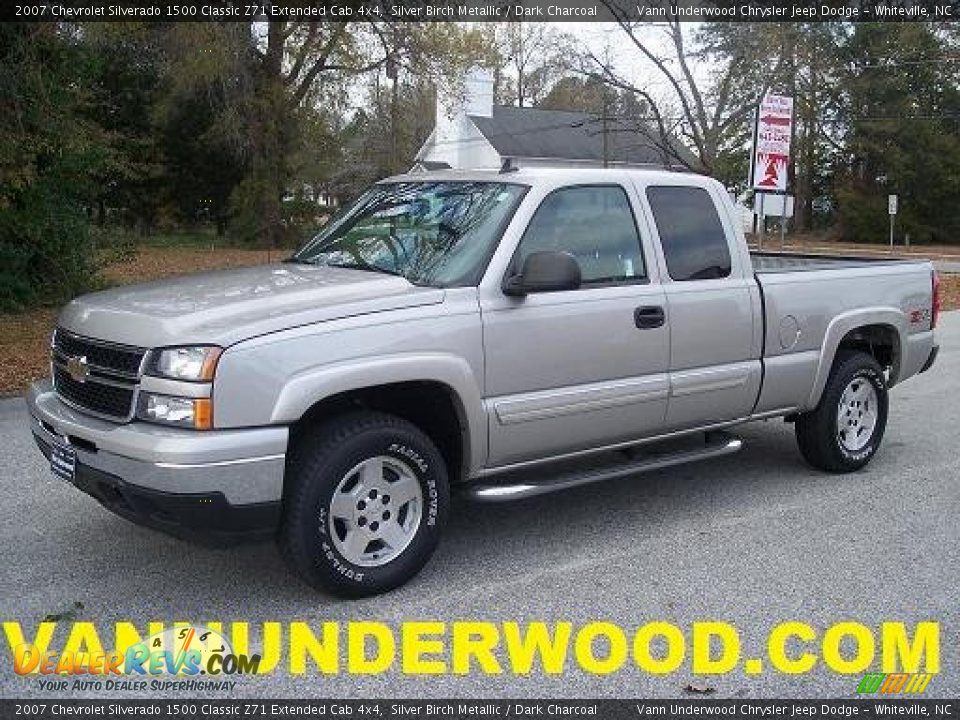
(753, 539)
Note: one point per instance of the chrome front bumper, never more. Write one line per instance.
(244, 466)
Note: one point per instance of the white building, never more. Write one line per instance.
(473, 133)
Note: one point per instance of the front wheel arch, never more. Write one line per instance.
(432, 406)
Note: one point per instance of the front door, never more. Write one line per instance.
(571, 370)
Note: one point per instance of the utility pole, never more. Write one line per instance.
(791, 167)
(750, 169)
(393, 74)
(605, 129)
(605, 109)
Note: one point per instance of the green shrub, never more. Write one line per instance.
(47, 155)
(46, 254)
(863, 216)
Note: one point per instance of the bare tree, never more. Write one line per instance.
(288, 69)
(528, 58)
(743, 59)
(288, 61)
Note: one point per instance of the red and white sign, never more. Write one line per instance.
(771, 151)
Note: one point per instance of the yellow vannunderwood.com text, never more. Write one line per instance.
(484, 647)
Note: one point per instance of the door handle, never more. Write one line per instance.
(649, 316)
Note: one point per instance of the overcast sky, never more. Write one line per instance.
(628, 60)
(608, 37)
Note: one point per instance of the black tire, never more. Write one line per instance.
(817, 434)
(321, 459)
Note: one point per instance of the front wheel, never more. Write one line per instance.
(844, 431)
(365, 504)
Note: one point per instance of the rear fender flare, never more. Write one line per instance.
(840, 326)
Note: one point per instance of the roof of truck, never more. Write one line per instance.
(534, 175)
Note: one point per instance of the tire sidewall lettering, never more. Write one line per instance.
(405, 452)
(339, 565)
(409, 455)
(859, 455)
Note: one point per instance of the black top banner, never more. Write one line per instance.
(479, 10)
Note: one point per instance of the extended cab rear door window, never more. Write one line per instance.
(691, 234)
(595, 224)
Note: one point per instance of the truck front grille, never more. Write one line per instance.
(96, 376)
(109, 400)
(121, 359)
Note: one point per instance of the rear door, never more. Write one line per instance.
(712, 302)
(575, 369)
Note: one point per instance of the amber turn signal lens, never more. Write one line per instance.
(210, 363)
(202, 414)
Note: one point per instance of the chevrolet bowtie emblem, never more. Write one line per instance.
(78, 368)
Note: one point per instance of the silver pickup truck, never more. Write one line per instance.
(504, 334)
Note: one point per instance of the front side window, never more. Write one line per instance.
(594, 224)
(693, 240)
(432, 233)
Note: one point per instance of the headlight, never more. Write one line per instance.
(185, 363)
(195, 413)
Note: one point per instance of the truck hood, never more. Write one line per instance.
(227, 306)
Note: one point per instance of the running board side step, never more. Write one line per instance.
(716, 444)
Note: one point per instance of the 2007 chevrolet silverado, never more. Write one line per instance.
(508, 333)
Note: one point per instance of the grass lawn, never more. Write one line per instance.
(814, 243)
(25, 337)
(154, 262)
(950, 291)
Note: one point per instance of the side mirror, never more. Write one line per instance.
(547, 271)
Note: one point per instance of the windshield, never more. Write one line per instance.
(431, 233)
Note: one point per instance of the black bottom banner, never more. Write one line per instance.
(390, 709)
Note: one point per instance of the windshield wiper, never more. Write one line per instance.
(359, 265)
(370, 267)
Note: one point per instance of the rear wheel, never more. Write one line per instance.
(365, 504)
(844, 431)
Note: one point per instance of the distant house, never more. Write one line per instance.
(312, 194)
(473, 133)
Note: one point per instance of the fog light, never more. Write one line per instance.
(196, 413)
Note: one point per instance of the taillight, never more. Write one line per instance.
(935, 310)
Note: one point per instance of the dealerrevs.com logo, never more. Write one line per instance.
(189, 650)
(894, 683)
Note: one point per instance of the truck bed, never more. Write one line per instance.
(782, 262)
(810, 302)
